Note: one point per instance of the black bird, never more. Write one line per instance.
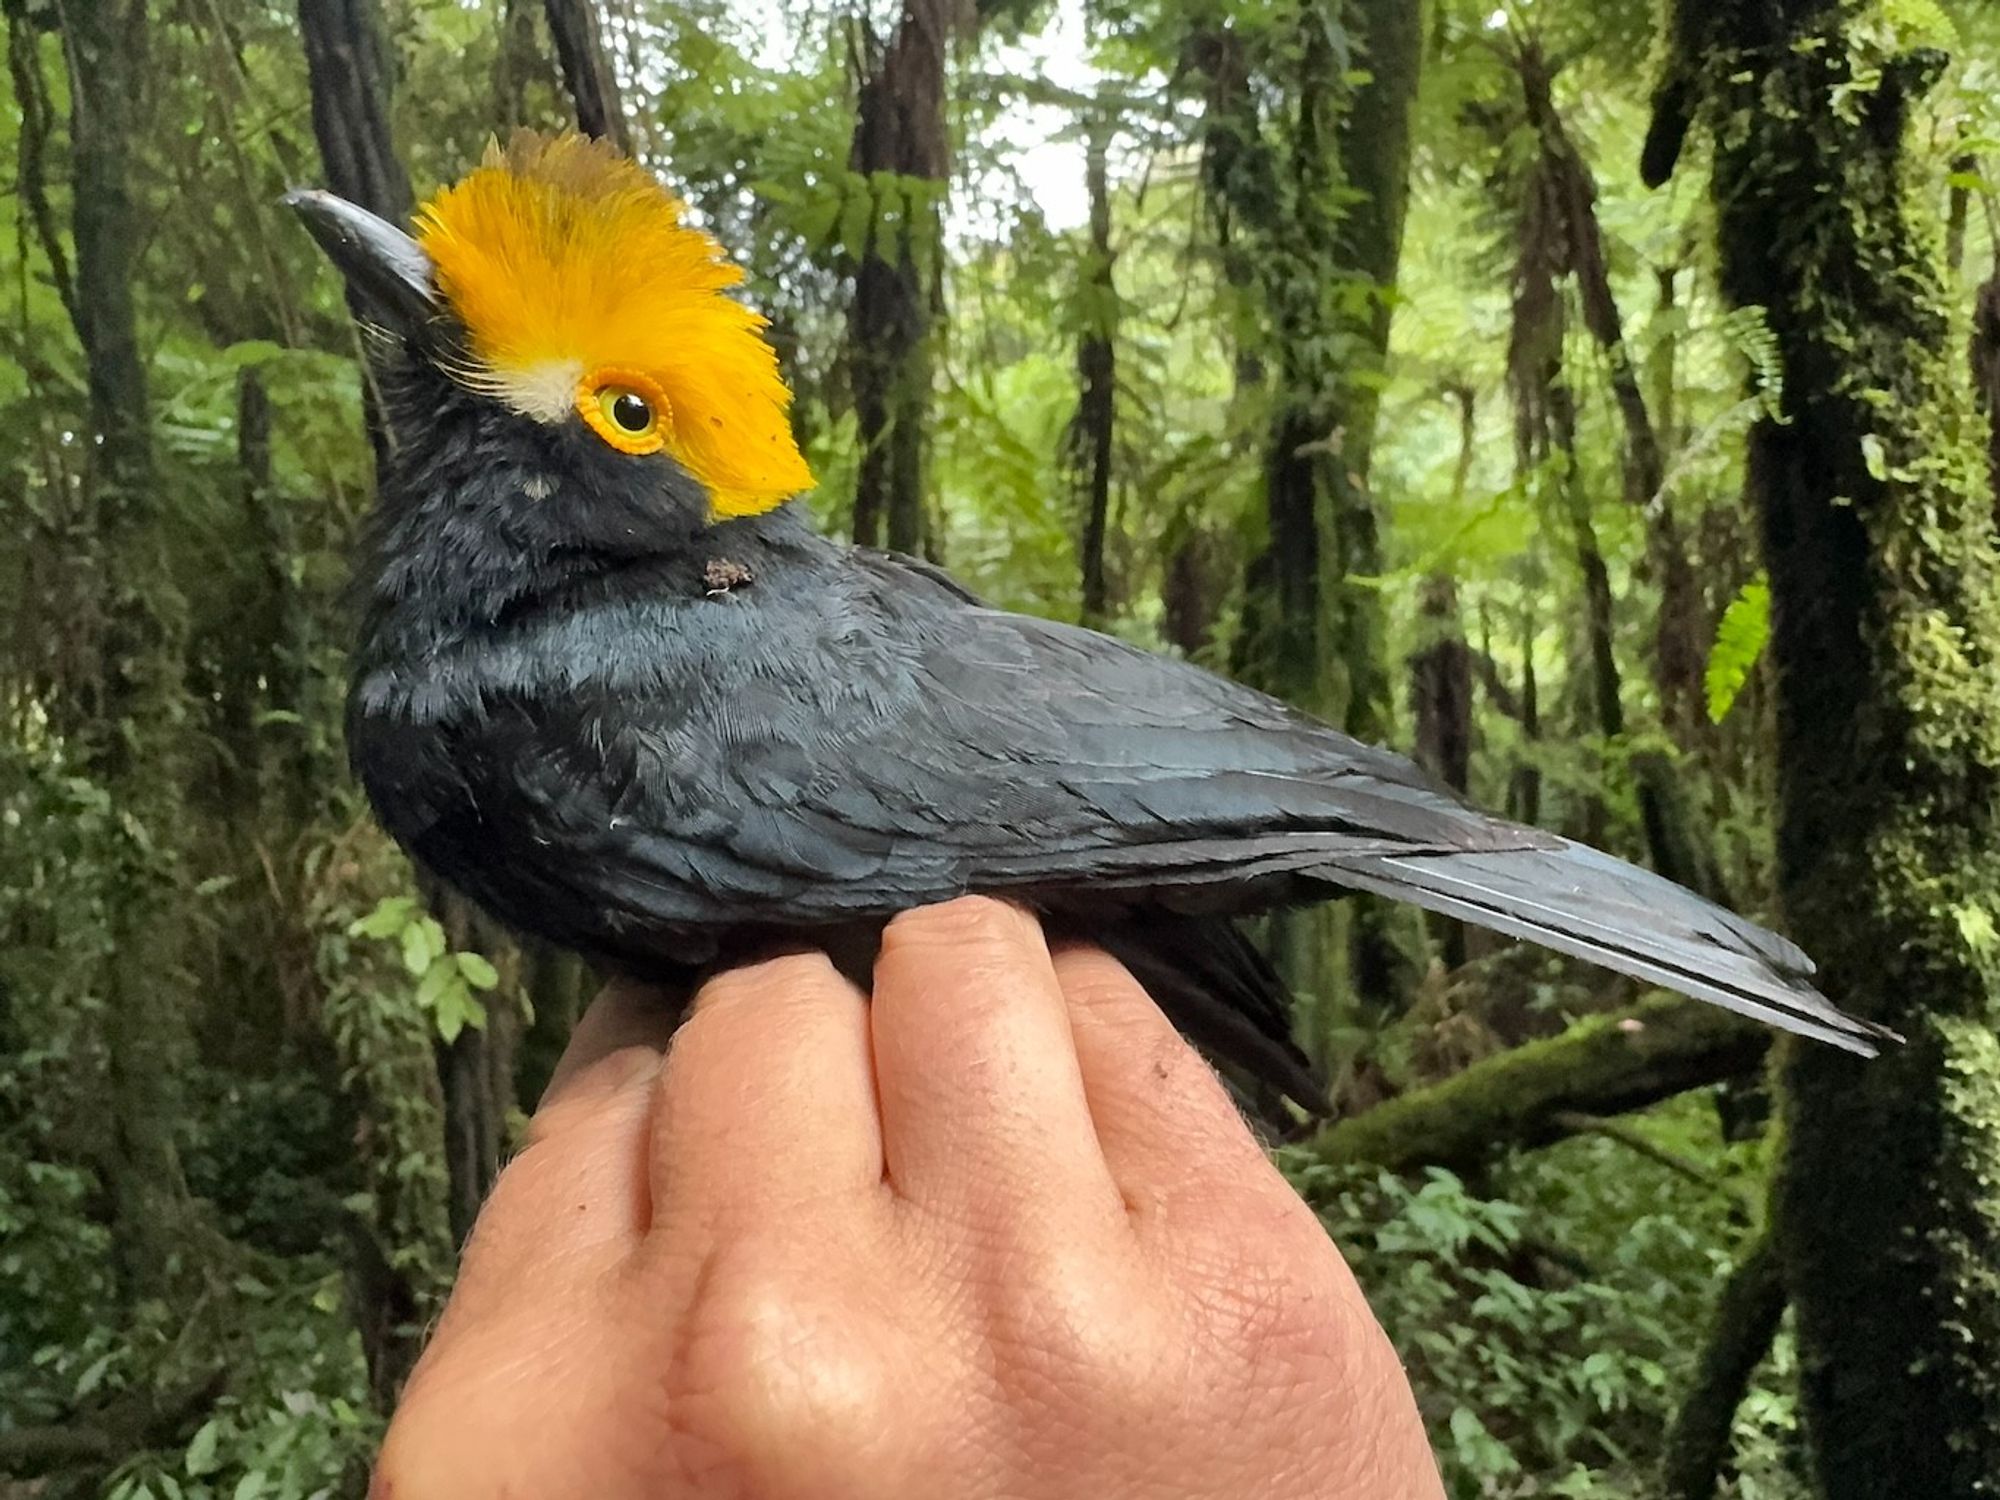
(614, 688)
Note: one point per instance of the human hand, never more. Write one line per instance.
(998, 1233)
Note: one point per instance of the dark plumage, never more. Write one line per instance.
(647, 735)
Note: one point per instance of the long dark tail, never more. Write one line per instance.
(1572, 898)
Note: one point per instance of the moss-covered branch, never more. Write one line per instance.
(1532, 1095)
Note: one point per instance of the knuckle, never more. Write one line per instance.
(1075, 1335)
(765, 1378)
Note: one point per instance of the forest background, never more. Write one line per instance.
(1596, 401)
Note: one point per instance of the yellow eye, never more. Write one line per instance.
(626, 410)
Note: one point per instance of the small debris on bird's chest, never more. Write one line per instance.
(719, 575)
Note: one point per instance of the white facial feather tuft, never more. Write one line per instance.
(545, 391)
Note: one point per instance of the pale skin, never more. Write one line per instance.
(999, 1233)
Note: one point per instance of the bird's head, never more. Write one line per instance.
(558, 285)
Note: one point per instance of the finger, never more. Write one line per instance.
(982, 1102)
(580, 1182)
(626, 1013)
(575, 1201)
(1168, 1128)
(767, 1099)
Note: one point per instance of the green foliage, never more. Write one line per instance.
(65, 856)
(382, 1035)
(296, 1421)
(446, 981)
(272, 1155)
(1739, 641)
(1550, 1321)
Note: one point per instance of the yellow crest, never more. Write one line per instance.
(584, 292)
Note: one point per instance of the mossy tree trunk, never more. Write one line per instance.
(138, 749)
(1091, 431)
(1880, 542)
(901, 157)
(1748, 1310)
(349, 72)
(348, 68)
(1385, 942)
(1373, 149)
(1546, 1090)
(1316, 197)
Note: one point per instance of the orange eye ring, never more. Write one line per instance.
(625, 408)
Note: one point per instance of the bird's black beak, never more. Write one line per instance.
(381, 263)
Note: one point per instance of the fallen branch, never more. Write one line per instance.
(98, 1437)
(1530, 1095)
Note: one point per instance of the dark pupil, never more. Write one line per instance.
(631, 412)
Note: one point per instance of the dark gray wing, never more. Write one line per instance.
(860, 739)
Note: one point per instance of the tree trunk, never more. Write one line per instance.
(347, 60)
(1441, 699)
(348, 71)
(555, 983)
(246, 668)
(1983, 355)
(1747, 1313)
(1524, 787)
(1880, 542)
(1680, 636)
(1663, 365)
(1958, 199)
(1236, 180)
(1441, 685)
(1600, 633)
(278, 641)
(1315, 633)
(1556, 233)
(1093, 427)
(521, 73)
(903, 155)
(36, 123)
(587, 71)
(1374, 157)
(1315, 629)
(476, 1069)
(141, 656)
